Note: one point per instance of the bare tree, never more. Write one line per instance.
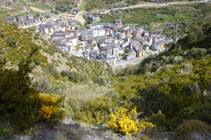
(110, 95)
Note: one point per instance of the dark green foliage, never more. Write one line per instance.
(11, 41)
(36, 36)
(153, 100)
(196, 53)
(199, 111)
(99, 81)
(64, 74)
(2, 60)
(52, 70)
(94, 111)
(45, 43)
(37, 60)
(53, 49)
(2, 52)
(18, 97)
(75, 77)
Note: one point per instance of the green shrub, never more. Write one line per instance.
(99, 81)
(94, 111)
(2, 52)
(45, 43)
(37, 35)
(64, 73)
(11, 41)
(51, 68)
(18, 97)
(192, 126)
(37, 60)
(56, 75)
(52, 49)
(75, 77)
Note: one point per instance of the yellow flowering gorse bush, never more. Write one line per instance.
(125, 122)
(49, 108)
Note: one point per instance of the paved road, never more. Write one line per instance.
(151, 4)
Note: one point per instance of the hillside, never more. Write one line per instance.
(166, 89)
(164, 18)
(56, 73)
(40, 86)
(17, 43)
(173, 86)
(96, 5)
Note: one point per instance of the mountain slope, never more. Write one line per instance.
(17, 43)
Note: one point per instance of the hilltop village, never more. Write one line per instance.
(111, 43)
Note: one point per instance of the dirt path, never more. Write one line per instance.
(37, 10)
(81, 19)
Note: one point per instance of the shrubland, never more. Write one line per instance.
(157, 18)
(99, 4)
(162, 91)
(173, 86)
(40, 84)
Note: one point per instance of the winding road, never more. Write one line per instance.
(141, 5)
(152, 5)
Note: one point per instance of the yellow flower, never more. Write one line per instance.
(4, 130)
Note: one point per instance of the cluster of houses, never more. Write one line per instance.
(105, 41)
(22, 21)
(65, 25)
(69, 9)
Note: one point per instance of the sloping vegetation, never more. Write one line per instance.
(59, 77)
(99, 4)
(166, 89)
(174, 85)
(157, 18)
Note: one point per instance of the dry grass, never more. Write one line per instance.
(83, 92)
(81, 19)
(37, 10)
(192, 126)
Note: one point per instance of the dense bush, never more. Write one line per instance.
(36, 36)
(20, 101)
(192, 126)
(99, 81)
(11, 41)
(94, 111)
(37, 60)
(53, 49)
(75, 77)
(18, 97)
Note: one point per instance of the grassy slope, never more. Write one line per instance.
(83, 6)
(185, 15)
(42, 7)
(48, 53)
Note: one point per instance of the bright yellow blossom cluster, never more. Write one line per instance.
(49, 108)
(124, 121)
(46, 112)
(4, 130)
(44, 99)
